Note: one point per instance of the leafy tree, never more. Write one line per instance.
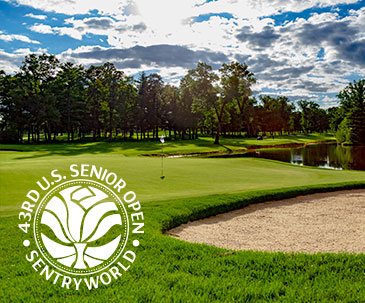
(171, 99)
(140, 110)
(154, 103)
(70, 87)
(149, 103)
(343, 133)
(207, 97)
(13, 114)
(37, 74)
(335, 117)
(236, 81)
(352, 99)
(276, 113)
(112, 80)
(321, 121)
(94, 100)
(307, 119)
(187, 118)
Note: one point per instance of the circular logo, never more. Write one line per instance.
(81, 227)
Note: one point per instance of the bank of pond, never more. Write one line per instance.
(323, 155)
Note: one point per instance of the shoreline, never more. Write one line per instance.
(249, 148)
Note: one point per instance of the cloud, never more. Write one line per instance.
(71, 7)
(39, 17)
(46, 29)
(140, 27)
(78, 28)
(22, 38)
(42, 28)
(183, 9)
(261, 40)
(154, 55)
(10, 62)
(262, 62)
(99, 23)
(339, 35)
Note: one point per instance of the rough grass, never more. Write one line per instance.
(169, 270)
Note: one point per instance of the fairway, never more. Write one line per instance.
(170, 270)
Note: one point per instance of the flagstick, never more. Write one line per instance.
(162, 140)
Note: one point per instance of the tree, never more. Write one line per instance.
(186, 117)
(307, 119)
(94, 100)
(149, 104)
(352, 99)
(112, 82)
(171, 102)
(108, 91)
(37, 74)
(313, 118)
(335, 117)
(276, 113)
(207, 96)
(154, 103)
(13, 113)
(236, 81)
(70, 87)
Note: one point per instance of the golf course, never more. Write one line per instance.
(169, 269)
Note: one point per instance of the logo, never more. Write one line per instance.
(81, 227)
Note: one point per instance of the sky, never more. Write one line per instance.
(302, 49)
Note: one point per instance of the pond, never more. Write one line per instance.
(328, 155)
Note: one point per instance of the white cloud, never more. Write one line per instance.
(42, 28)
(46, 29)
(39, 17)
(155, 11)
(10, 62)
(9, 38)
(71, 7)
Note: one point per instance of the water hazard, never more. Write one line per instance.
(328, 155)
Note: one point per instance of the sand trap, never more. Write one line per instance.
(325, 222)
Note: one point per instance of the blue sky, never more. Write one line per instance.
(300, 49)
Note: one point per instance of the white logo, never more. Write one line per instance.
(81, 227)
(79, 213)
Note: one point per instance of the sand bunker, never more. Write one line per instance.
(325, 222)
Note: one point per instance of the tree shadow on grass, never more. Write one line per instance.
(124, 148)
(138, 148)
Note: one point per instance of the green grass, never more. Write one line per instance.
(169, 270)
(135, 148)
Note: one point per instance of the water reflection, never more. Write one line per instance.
(330, 156)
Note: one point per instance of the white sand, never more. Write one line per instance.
(325, 222)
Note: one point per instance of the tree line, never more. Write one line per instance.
(47, 99)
